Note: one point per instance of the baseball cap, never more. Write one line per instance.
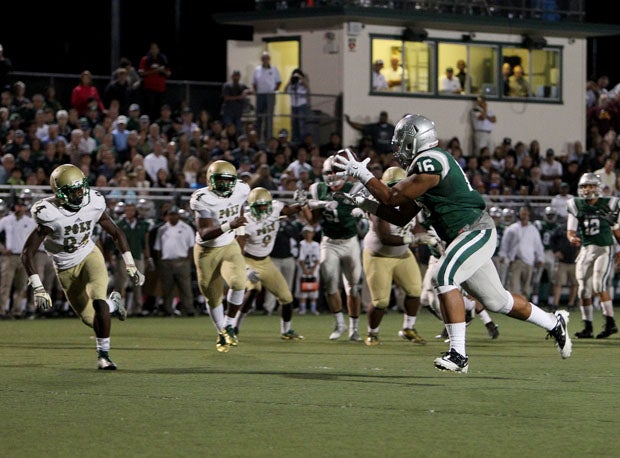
(308, 228)
(134, 107)
(379, 62)
(236, 72)
(173, 209)
(283, 133)
(19, 133)
(507, 141)
(449, 69)
(145, 117)
(122, 119)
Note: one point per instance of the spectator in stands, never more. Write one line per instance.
(266, 80)
(518, 85)
(51, 100)
(23, 103)
(380, 132)
(397, 77)
(156, 160)
(298, 88)
(6, 169)
(448, 84)
(132, 77)
(379, 83)
(187, 121)
(333, 145)
(607, 174)
(506, 73)
(234, 100)
(118, 89)
(300, 163)
(551, 168)
(154, 70)
(120, 134)
(85, 95)
(483, 122)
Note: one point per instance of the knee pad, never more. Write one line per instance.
(508, 305)
(381, 304)
(354, 291)
(235, 296)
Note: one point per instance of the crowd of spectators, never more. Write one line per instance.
(116, 143)
(126, 148)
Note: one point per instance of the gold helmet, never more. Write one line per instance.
(70, 186)
(393, 175)
(260, 202)
(221, 178)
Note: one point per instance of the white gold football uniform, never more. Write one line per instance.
(71, 239)
(261, 235)
(206, 204)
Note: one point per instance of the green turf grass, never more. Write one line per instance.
(175, 395)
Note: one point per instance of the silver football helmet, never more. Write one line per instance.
(551, 214)
(589, 186)
(508, 216)
(412, 135)
(329, 173)
(495, 212)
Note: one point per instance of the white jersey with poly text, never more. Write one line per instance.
(71, 238)
(261, 235)
(206, 204)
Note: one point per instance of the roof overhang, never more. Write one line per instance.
(334, 16)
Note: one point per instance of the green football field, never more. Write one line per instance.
(174, 395)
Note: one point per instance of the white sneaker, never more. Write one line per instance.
(302, 312)
(354, 336)
(338, 331)
(561, 335)
(452, 361)
(117, 300)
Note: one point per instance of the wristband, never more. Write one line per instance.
(128, 258)
(225, 227)
(35, 281)
(240, 231)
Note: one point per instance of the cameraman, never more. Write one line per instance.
(298, 88)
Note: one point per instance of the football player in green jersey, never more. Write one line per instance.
(437, 185)
(590, 225)
(340, 248)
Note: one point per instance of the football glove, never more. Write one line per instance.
(300, 197)
(349, 199)
(135, 275)
(314, 204)
(42, 300)
(252, 275)
(353, 168)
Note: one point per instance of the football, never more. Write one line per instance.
(343, 153)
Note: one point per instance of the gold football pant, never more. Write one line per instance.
(217, 266)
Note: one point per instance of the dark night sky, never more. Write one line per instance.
(71, 36)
